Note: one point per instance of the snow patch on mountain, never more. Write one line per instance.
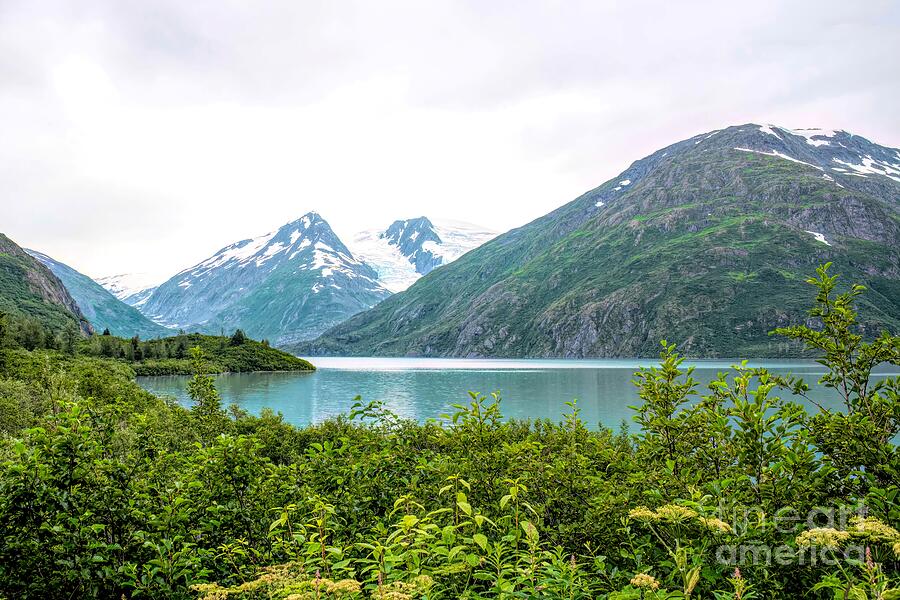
(813, 136)
(438, 241)
(819, 237)
(778, 154)
(329, 260)
(299, 248)
(239, 253)
(870, 166)
(828, 177)
(131, 288)
(768, 129)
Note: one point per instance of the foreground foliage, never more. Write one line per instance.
(107, 491)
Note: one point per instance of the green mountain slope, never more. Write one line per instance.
(28, 289)
(101, 308)
(706, 243)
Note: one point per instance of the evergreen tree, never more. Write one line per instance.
(107, 348)
(106, 332)
(136, 352)
(238, 338)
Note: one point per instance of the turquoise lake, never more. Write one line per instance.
(425, 388)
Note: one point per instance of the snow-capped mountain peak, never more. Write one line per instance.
(417, 240)
(272, 249)
(264, 283)
(407, 249)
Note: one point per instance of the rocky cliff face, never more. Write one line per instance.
(27, 286)
(706, 242)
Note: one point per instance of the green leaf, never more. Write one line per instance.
(481, 540)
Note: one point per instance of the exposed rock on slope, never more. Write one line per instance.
(706, 242)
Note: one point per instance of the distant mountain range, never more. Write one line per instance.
(707, 243)
(293, 283)
(99, 306)
(286, 286)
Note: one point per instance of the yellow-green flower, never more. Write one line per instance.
(642, 513)
(896, 549)
(715, 525)
(824, 537)
(675, 514)
(344, 587)
(645, 582)
(873, 530)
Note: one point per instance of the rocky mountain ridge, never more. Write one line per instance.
(706, 242)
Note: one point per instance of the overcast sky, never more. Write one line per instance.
(144, 136)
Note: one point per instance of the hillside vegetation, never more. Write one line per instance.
(37, 304)
(732, 492)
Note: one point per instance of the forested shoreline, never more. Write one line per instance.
(171, 355)
(730, 491)
(160, 356)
